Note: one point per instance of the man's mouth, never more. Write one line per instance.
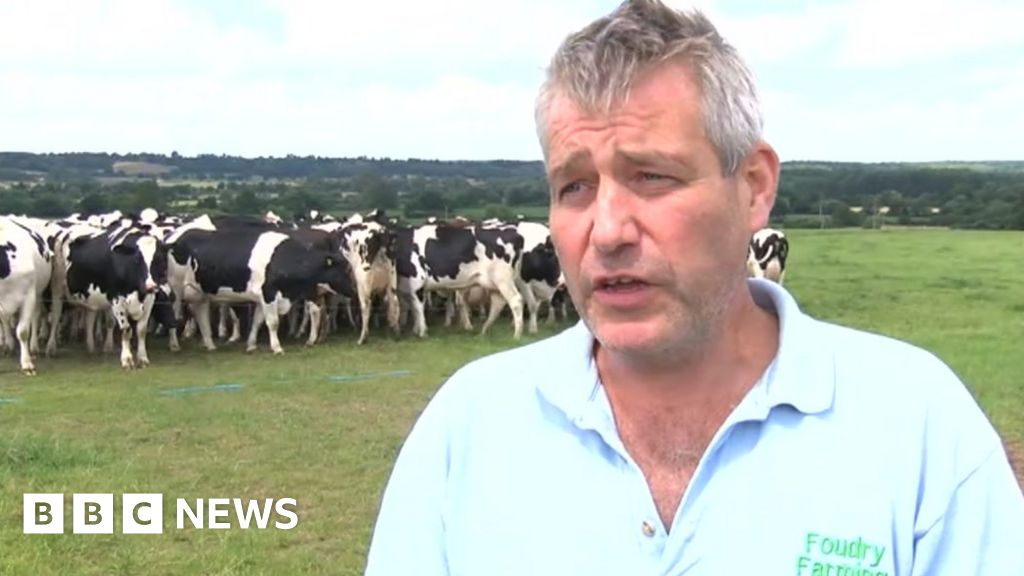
(619, 283)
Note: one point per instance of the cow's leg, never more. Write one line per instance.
(78, 322)
(222, 321)
(394, 310)
(321, 315)
(35, 326)
(313, 310)
(90, 330)
(5, 334)
(7, 338)
(365, 309)
(403, 312)
(44, 324)
(56, 309)
(172, 336)
(531, 305)
(120, 317)
(191, 325)
(227, 316)
(327, 320)
(172, 331)
(303, 325)
(254, 330)
(419, 314)
(464, 308)
(453, 299)
(23, 332)
(127, 360)
(295, 327)
(376, 319)
(141, 354)
(108, 340)
(497, 304)
(351, 315)
(236, 326)
(272, 319)
(201, 314)
(333, 308)
(515, 303)
(551, 312)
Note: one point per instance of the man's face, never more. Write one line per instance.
(651, 237)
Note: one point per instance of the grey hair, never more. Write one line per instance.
(596, 67)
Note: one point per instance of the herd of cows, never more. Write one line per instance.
(70, 279)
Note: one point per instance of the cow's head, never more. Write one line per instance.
(334, 272)
(139, 264)
(377, 215)
(366, 242)
(163, 308)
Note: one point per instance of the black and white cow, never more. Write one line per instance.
(25, 269)
(370, 247)
(438, 256)
(767, 255)
(541, 274)
(118, 269)
(539, 280)
(247, 264)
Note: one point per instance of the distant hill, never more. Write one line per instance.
(129, 168)
(79, 165)
(1008, 166)
(961, 194)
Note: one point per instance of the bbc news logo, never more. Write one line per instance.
(143, 513)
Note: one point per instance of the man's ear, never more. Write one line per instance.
(759, 173)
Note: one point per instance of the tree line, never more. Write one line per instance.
(811, 194)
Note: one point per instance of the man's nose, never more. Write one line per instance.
(615, 215)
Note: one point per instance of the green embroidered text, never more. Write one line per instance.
(825, 555)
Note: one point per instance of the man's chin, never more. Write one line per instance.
(632, 337)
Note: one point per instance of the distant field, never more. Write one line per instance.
(301, 426)
(188, 182)
(142, 168)
(536, 213)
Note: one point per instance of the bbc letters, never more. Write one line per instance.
(144, 513)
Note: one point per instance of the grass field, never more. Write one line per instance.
(301, 426)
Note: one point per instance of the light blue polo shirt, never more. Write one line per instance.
(853, 455)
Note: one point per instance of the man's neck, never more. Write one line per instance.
(668, 409)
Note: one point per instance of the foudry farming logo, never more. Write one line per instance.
(144, 513)
(828, 555)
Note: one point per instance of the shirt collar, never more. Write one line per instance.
(801, 375)
(574, 383)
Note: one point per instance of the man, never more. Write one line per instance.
(694, 422)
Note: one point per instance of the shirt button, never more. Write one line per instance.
(648, 529)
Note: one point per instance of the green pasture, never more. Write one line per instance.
(323, 425)
(959, 294)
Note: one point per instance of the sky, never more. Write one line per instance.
(843, 80)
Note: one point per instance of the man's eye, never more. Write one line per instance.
(570, 188)
(652, 177)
